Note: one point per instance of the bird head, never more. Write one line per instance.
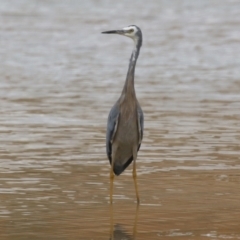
(131, 31)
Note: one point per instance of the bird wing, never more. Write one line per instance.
(112, 125)
(140, 124)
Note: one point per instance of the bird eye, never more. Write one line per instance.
(130, 30)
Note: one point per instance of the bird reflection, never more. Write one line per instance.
(117, 232)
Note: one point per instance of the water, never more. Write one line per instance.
(59, 79)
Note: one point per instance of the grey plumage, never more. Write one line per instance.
(126, 120)
(112, 127)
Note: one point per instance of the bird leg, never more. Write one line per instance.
(111, 222)
(134, 173)
(111, 182)
(135, 222)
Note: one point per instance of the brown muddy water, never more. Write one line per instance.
(59, 77)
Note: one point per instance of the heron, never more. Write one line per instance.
(125, 121)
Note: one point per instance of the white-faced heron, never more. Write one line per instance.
(125, 120)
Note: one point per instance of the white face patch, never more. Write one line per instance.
(130, 31)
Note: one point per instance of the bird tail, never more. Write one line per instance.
(118, 168)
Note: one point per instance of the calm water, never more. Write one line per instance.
(59, 77)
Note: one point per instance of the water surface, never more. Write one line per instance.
(59, 77)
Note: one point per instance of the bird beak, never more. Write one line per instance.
(115, 31)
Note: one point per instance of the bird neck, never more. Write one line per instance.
(128, 89)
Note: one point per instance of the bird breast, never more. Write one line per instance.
(127, 132)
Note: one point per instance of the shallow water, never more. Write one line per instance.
(59, 79)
